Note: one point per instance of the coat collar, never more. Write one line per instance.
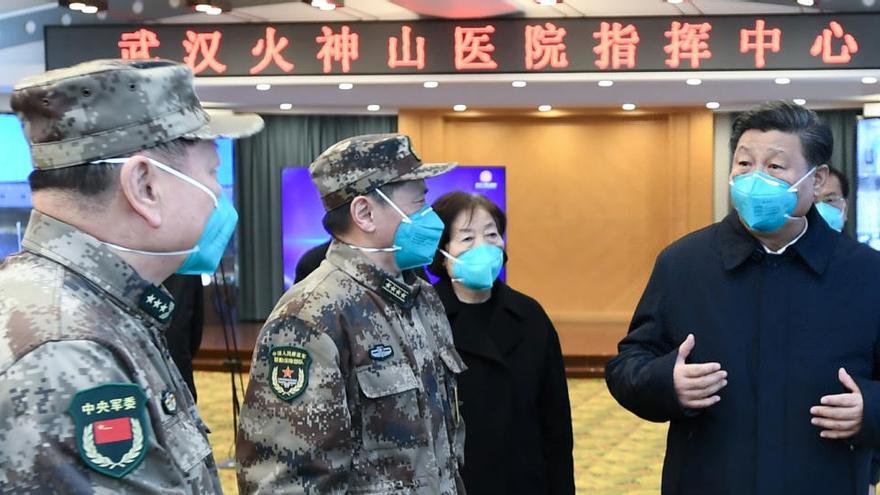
(505, 328)
(367, 273)
(814, 248)
(100, 265)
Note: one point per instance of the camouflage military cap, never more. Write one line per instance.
(108, 108)
(360, 164)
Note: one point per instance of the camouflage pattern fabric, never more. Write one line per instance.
(71, 320)
(379, 412)
(108, 108)
(358, 165)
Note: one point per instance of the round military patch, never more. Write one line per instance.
(289, 371)
(110, 424)
(169, 402)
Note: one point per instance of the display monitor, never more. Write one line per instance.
(302, 211)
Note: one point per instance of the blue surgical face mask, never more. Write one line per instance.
(478, 267)
(205, 256)
(763, 202)
(417, 237)
(833, 215)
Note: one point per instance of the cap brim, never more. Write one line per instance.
(228, 125)
(427, 170)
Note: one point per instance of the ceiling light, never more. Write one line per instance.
(712, 105)
(459, 107)
(782, 80)
(799, 101)
(264, 87)
(605, 83)
(214, 11)
(694, 81)
(210, 7)
(85, 6)
(430, 84)
(203, 7)
(325, 4)
(77, 6)
(806, 3)
(548, 3)
(89, 9)
(675, 2)
(628, 106)
(345, 86)
(286, 106)
(519, 84)
(869, 80)
(373, 108)
(545, 108)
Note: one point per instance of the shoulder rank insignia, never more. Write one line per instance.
(110, 427)
(381, 352)
(289, 371)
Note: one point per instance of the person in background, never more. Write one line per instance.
(184, 332)
(831, 202)
(310, 261)
(514, 397)
(758, 337)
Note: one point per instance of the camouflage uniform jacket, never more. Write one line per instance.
(375, 410)
(71, 320)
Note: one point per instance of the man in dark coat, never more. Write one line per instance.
(757, 337)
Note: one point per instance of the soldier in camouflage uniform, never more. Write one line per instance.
(90, 400)
(353, 381)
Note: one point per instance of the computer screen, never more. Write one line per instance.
(868, 182)
(302, 211)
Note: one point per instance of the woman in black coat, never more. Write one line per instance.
(513, 396)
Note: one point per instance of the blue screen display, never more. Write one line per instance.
(868, 178)
(16, 153)
(302, 211)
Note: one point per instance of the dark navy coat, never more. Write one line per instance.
(781, 325)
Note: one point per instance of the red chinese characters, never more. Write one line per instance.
(137, 45)
(618, 45)
(342, 47)
(205, 45)
(545, 46)
(271, 50)
(822, 45)
(688, 42)
(406, 58)
(473, 48)
(760, 40)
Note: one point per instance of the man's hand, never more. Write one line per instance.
(840, 415)
(696, 385)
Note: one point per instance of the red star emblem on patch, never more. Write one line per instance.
(287, 372)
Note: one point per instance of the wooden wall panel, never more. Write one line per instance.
(592, 198)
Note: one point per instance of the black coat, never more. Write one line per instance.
(781, 325)
(184, 332)
(514, 398)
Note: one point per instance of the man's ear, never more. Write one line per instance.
(361, 211)
(137, 181)
(819, 178)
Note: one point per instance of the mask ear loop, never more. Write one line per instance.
(794, 186)
(406, 217)
(454, 260)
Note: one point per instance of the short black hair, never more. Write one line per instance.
(94, 179)
(448, 207)
(844, 182)
(815, 135)
(338, 220)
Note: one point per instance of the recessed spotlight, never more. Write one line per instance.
(694, 81)
(806, 3)
(214, 11)
(430, 84)
(675, 2)
(605, 83)
(712, 105)
(547, 3)
(869, 80)
(459, 107)
(799, 101)
(264, 87)
(519, 84)
(286, 106)
(782, 80)
(345, 86)
(203, 7)
(373, 108)
(628, 106)
(545, 108)
(77, 6)
(89, 9)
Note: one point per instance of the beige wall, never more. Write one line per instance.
(592, 198)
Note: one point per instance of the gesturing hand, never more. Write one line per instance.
(840, 415)
(696, 385)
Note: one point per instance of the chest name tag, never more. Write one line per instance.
(398, 293)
